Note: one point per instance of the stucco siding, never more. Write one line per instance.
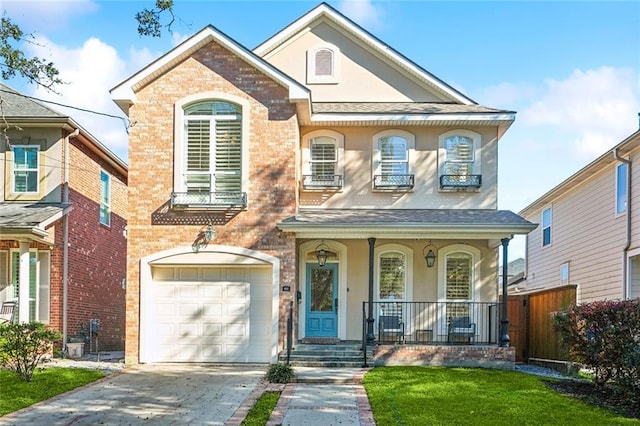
(361, 76)
(358, 189)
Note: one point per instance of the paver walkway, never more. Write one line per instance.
(322, 397)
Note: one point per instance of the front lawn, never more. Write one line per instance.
(459, 396)
(46, 383)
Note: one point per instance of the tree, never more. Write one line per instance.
(35, 70)
(13, 61)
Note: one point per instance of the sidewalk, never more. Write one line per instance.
(321, 396)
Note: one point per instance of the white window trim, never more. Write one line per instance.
(476, 166)
(476, 282)
(39, 281)
(179, 184)
(622, 211)
(550, 226)
(312, 78)
(376, 167)
(306, 150)
(108, 203)
(408, 276)
(14, 170)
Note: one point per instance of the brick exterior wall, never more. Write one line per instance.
(449, 356)
(272, 140)
(97, 253)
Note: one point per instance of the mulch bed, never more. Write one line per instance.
(604, 398)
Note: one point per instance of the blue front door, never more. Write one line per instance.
(321, 300)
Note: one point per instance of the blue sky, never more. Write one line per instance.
(570, 69)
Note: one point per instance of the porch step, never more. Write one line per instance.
(340, 355)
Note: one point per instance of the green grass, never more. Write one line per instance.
(46, 383)
(261, 411)
(459, 396)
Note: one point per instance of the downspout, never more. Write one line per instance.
(625, 250)
(65, 238)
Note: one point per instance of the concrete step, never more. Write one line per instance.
(341, 355)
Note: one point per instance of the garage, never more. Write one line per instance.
(208, 313)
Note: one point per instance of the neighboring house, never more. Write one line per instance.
(63, 207)
(588, 234)
(319, 171)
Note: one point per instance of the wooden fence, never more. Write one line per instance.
(531, 323)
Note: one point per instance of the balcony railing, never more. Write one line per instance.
(393, 181)
(209, 200)
(322, 182)
(442, 323)
(460, 181)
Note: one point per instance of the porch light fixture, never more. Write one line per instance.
(321, 254)
(204, 238)
(430, 255)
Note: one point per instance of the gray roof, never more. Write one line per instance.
(16, 105)
(366, 217)
(401, 108)
(27, 216)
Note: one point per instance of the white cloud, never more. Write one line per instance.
(598, 106)
(43, 15)
(91, 70)
(177, 38)
(364, 12)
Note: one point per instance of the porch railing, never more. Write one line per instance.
(443, 323)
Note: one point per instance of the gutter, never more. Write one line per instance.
(625, 250)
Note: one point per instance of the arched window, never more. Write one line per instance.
(392, 154)
(460, 160)
(322, 160)
(211, 154)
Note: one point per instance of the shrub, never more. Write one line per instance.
(280, 373)
(22, 346)
(605, 336)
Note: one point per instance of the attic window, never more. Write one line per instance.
(322, 65)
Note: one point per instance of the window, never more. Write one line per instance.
(105, 198)
(392, 165)
(211, 155)
(25, 169)
(322, 152)
(546, 226)
(322, 65)
(564, 273)
(459, 156)
(392, 276)
(621, 188)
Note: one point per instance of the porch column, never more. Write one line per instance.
(504, 323)
(370, 320)
(23, 283)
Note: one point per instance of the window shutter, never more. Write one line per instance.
(458, 270)
(324, 62)
(198, 145)
(393, 155)
(228, 155)
(392, 276)
(323, 158)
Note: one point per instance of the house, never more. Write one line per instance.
(63, 205)
(322, 175)
(587, 235)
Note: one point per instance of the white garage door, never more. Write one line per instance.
(209, 315)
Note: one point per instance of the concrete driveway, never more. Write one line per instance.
(158, 394)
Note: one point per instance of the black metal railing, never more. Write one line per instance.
(210, 200)
(442, 323)
(322, 181)
(460, 181)
(364, 334)
(393, 181)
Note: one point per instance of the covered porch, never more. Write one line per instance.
(401, 277)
